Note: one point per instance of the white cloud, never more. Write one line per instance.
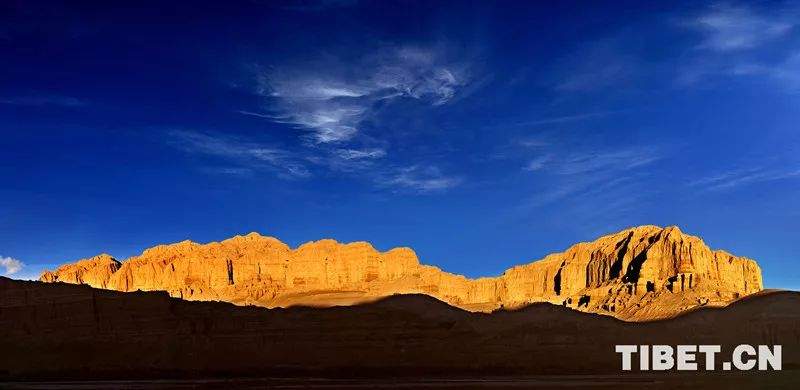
(730, 28)
(315, 89)
(588, 174)
(785, 73)
(583, 196)
(603, 160)
(607, 74)
(533, 142)
(256, 114)
(741, 177)
(11, 265)
(537, 163)
(421, 179)
(565, 119)
(739, 41)
(229, 171)
(249, 155)
(65, 101)
(598, 65)
(331, 100)
(337, 106)
(315, 5)
(355, 154)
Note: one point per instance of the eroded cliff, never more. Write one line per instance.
(640, 273)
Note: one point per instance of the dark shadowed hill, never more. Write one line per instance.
(57, 330)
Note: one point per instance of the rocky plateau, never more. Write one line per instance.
(638, 274)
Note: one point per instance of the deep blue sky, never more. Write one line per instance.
(482, 135)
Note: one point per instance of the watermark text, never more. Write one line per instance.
(699, 357)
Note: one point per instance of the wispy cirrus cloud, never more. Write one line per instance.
(594, 161)
(538, 163)
(330, 100)
(11, 265)
(246, 158)
(598, 65)
(229, 171)
(743, 41)
(354, 161)
(592, 201)
(337, 107)
(580, 174)
(247, 155)
(785, 73)
(565, 119)
(729, 27)
(356, 154)
(314, 5)
(43, 100)
(256, 114)
(418, 178)
(741, 177)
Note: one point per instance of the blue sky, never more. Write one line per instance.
(482, 135)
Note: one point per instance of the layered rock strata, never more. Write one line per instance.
(641, 273)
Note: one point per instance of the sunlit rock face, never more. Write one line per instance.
(95, 271)
(640, 273)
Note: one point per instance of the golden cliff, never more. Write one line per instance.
(640, 273)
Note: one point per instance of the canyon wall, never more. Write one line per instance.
(641, 273)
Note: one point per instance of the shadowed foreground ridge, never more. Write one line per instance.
(71, 331)
(642, 273)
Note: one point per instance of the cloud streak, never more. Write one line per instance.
(594, 161)
(785, 73)
(330, 101)
(729, 28)
(566, 118)
(599, 65)
(740, 41)
(742, 177)
(589, 175)
(248, 155)
(11, 265)
(421, 179)
(538, 163)
(36, 101)
(354, 154)
(337, 107)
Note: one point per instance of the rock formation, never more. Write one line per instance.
(640, 273)
(94, 271)
(64, 332)
(73, 332)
